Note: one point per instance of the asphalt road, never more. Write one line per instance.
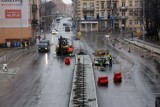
(43, 80)
(139, 85)
(40, 79)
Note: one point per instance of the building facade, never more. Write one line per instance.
(19, 21)
(102, 15)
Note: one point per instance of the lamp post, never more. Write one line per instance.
(142, 53)
(143, 26)
(21, 21)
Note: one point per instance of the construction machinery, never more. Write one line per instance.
(64, 47)
(101, 59)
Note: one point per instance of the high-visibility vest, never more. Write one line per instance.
(70, 49)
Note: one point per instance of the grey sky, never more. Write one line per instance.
(67, 1)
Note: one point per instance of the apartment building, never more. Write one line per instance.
(18, 20)
(100, 15)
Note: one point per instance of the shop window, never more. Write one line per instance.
(93, 25)
(83, 26)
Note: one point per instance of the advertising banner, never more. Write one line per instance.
(13, 13)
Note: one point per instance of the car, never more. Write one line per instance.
(157, 101)
(65, 24)
(67, 29)
(54, 31)
(44, 46)
(58, 20)
(103, 62)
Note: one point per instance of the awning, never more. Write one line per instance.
(89, 22)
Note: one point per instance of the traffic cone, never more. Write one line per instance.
(142, 53)
(152, 53)
(129, 49)
(119, 45)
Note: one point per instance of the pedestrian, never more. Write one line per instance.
(23, 44)
(110, 61)
(37, 41)
(27, 44)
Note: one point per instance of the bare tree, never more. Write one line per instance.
(152, 18)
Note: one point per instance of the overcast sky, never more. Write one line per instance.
(67, 1)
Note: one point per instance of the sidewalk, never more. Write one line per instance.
(146, 45)
(83, 91)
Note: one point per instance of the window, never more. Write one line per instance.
(83, 25)
(108, 4)
(131, 12)
(130, 22)
(136, 22)
(141, 22)
(123, 13)
(123, 4)
(91, 5)
(102, 14)
(102, 5)
(130, 29)
(141, 3)
(114, 5)
(136, 12)
(84, 5)
(114, 13)
(136, 3)
(130, 3)
(92, 14)
(124, 22)
(93, 25)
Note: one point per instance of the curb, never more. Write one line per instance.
(148, 47)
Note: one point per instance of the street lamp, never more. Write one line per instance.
(21, 21)
(142, 54)
(143, 26)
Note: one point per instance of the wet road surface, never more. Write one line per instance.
(42, 80)
(138, 88)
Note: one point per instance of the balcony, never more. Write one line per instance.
(88, 9)
(34, 7)
(102, 8)
(123, 17)
(123, 8)
(88, 18)
(34, 22)
(115, 9)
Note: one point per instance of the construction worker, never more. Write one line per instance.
(70, 50)
(110, 60)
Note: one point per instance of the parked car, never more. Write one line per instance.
(65, 24)
(44, 46)
(54, 32)
(67, 29)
